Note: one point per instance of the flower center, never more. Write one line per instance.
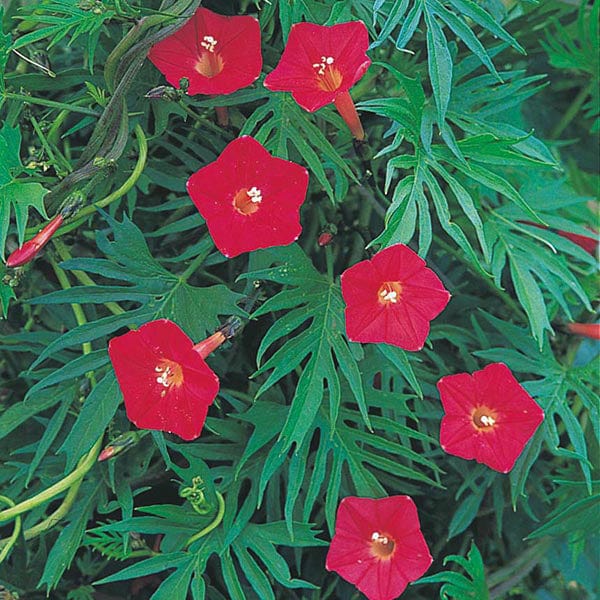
(389, 292)
(247, 201)
(170, 374)
(329, 78)
(484, 418)
(382, 545)
(210, 62)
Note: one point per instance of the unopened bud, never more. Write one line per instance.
(119, 445)
(29, 250)
(590, 330)
(325, 238)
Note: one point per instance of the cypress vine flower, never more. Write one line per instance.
(249, 198)
(489, 416)
(165, 382)
(211, 54)
(378, 545)
(392, 298)
(217, 54)
(320, 64)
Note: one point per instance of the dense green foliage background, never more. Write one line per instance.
(482, 117)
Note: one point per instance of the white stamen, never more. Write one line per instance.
(164, 377)
(389, 296)
(488, 421)
(255, 195)
(209, 43)
(377, 537)
(325, 60)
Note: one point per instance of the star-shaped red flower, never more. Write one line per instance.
(489, 416)
(166, 384)
(217, 54)
(391, 298)
(320, 64)
(248, 198)
(378, 545)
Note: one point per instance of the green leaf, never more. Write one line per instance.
(161, 293)
(457, 586)
(64, 549)
(440, 66)
(313, 298)
(16, 195)
(98, 409)
(570, 519)
(289, 127)
(5, 40)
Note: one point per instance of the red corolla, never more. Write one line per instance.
(378, 545)
(216, 54)
(392, 298)
(249, 198)
(489, 416)
(165, 382)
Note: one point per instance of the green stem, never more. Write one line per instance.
(77, 310)
(50, 103)
(84, 213)
(12, 540)
(84, 465)
(195, 264)
(215, 523)
(329, 262)
(572, 111)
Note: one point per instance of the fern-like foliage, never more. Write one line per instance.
(579, 51)
(457, 586)
(58, 19)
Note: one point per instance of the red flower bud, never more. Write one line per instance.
(325, 238)
(29, 250)
(590, 330)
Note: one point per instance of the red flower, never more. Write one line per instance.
(218, 55)
(249, 198)
(30, 249)
(165, 382)
(320, 64)
(391, 298)
(591, 330)
(489, 416)
(378, 545)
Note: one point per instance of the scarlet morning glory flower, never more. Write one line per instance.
(217, 54)
(391, 298)
(165, 382)
(378, 545)
(320, 64)
(249, 198)
(489, 416)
